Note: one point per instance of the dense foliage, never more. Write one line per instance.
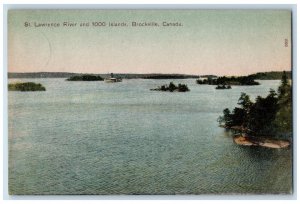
(271, 75)
(85, 78)
(223, 87)
(172, 87)
(283, 119)
(271, 115)
(27, 86)
(242, 80)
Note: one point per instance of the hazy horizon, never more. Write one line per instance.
(141, 73)
(218, 42)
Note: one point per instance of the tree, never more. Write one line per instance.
(284, 86)
(245, 101)
(226, 119)
(182, 88)
(284, 80)
(239, 117)
(172, 86)
(262, 114)
(283, 120)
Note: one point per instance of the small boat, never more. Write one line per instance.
(112, 79)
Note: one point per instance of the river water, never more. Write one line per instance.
(122, 138)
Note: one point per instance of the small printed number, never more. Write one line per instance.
(286, 42)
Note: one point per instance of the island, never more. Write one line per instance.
(85, 77)
(223, 87)
(224, 80)
(266, 122)
(26, 86)
(172, 88)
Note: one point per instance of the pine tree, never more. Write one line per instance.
(283, 120)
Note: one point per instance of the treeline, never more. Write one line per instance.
(40, 74)
(269, 116)
(85, 78)
(241, 80)
(260, 75)
(169, 76)
(271, 75)
(117, 75)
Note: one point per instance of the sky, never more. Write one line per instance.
(221, 42)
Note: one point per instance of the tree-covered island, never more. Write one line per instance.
(26, 86)
(172, 88)
(265, 122)
(241, 80)
(85, 77)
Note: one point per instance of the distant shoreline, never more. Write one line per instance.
(272, 75)
(119, 75)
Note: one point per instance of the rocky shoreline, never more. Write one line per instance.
(263, 142)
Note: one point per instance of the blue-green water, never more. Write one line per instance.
(121, 138)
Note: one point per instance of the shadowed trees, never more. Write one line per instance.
(270, 116)
(85, 78)
(242, 80)
(172, 88)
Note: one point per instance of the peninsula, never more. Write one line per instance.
(265, 122)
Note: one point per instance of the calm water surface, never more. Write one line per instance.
(121, 138)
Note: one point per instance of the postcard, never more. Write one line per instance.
(150, 102)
